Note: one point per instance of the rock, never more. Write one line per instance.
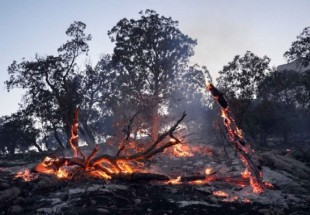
(199, 163)
(264, 211)
(15, 209)
(137, 201)
(93, 202)
(9, 194)
(19, 201)
(103, 211)
(4, 185)
(280, 162)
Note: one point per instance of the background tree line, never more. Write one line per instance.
(149, 75)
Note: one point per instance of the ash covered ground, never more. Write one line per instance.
(288, 171)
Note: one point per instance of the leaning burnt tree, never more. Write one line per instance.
(243, 148)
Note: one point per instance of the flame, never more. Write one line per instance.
(198, 182)
(220, 193)
(74, 138)
(246, 200)
(62, 173)
(125, 167)
(231, 199)
(44, 166)
(236, 135)
(26, 175)
(100, 174)
(182, 151)
(208, 171)
(269, 185)
(245, 174)
(175, 180)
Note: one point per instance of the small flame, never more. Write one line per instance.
(172, 140)
(208, 171)
(125, 167)
(245, 174)
(62, 173)
(269, 185)
(220, 193)
(100, 174)
(26, 175)
(175, 180)
(198, 182)
(231, 199)
(182, 151)
(246, 200)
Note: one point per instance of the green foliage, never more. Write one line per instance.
(287, 87)
(151, 51)
(239, 80)
(300, 49)
(241, 77)
(17, 133)
(53, 83)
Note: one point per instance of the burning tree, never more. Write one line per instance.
(253, 169)
(108, 166)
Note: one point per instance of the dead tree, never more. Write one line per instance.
(243, 148)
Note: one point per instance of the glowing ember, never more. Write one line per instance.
(246, 200)
(175, 180)
(231, 199)
(74, 134)
(269, 185)
(198, 182)
(26, 175)
(220, 193)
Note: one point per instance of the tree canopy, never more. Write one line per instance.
(150, 52)
(300, 49)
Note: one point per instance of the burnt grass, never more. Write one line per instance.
(50, 195)
(137, 198)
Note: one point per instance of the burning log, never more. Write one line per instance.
(246, 154)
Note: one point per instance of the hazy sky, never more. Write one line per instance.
(223, 28)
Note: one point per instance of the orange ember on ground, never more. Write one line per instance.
(231, 199)
(182, 151)
(174, 180)
(245, 174)
(26, 175)
(220, 193)
(208, 170)
(246, 200)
